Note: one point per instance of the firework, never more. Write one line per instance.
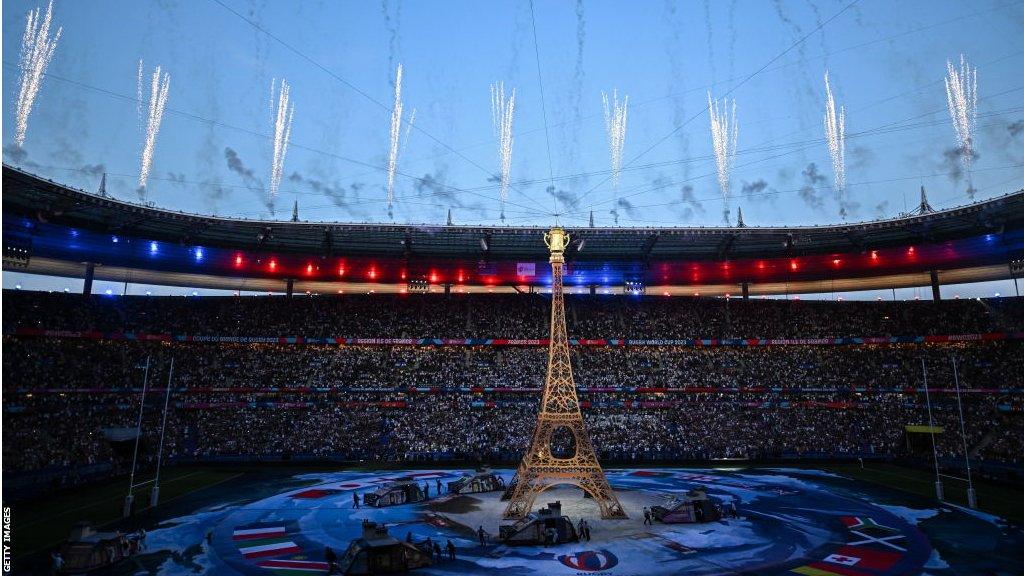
(962, 97)
(160, 85)
(615, 125)
(724, 131)
(282, 121)
(396, 129)
(37, 48)
(138, 95)
(835, 135)
(502, 111)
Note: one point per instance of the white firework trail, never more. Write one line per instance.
(282, 121)
(408, 129)
(37, 48)
(962, 97)
(502, 112)
(396, 130)
(835, 135)
(615, 125)
(724, 131)
(138, 95)
(160, 85)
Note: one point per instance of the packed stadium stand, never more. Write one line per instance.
(425, 377)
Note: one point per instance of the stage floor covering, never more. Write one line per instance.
(791, 521)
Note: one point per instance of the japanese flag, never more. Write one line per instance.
(841, 559)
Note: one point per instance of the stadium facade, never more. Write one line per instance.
(53, 229)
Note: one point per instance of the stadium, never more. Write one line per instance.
(552, 365)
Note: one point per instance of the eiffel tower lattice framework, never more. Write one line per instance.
(560, 408)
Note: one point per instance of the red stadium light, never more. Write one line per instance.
(238, 260)
(309, 268)
(836, 261)
(461, 278)
(341, 271)
(403, 274)
(373, 274)
(874, 254)
(273, 264)
(433, 276)
(792, 265)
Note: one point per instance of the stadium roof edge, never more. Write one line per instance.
(62, 223)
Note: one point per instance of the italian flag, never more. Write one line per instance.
(296, 567)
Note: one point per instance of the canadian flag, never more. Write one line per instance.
(841, 559)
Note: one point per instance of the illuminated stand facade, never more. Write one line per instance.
(560, 408)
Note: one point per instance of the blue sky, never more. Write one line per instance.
(886, 60)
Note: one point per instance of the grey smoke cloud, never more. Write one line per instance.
(340, 195)
(808, 193)
(952, 162)
(565, 198)
(236, 165)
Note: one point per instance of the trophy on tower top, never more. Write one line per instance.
(557, 240)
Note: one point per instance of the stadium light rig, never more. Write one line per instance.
(635, 287)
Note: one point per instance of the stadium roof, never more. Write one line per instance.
(988, 233)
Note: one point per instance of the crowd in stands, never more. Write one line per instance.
(67, 399)
(506, 316)
(49, 363)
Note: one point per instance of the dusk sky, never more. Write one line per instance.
(213, 153)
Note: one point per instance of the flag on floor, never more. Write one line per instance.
(264, 541)
(260, 533)
(294, 567)
(265, 548)
(314, 493)
(862, 524)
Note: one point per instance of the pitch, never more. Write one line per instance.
(789, 521)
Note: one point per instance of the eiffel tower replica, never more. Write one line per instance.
(559, 408)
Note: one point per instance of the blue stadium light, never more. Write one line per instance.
(17, 286)
(199, 254)
(153, 247)
(114, 239)
(149, 293)
(194, 293)
(109, 292)
(66, 289)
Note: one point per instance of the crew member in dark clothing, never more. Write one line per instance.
(482, 535)
(355, 499)
(331, 558)
(451, 550)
